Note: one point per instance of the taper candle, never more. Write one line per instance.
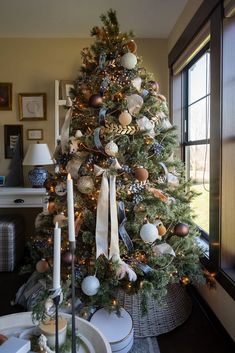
(56, 262)
(70, 205)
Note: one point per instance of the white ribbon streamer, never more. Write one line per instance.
(106, 201)
(65, 131)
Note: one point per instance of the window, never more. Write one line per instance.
(203, 107)
(196, 147)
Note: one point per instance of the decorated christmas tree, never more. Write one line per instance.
(133, 222)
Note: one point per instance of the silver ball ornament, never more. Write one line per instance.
(90, 285)
(149, 233)
(128, 61)
(111, 149)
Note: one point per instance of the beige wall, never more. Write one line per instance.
(187, 14)
(32, 65)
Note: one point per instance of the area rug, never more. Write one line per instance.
(145, 345)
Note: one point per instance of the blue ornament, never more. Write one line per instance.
(137, 199)
(144, 93)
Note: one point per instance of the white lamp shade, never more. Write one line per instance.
(38, 154)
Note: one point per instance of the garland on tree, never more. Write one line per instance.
(133, 221)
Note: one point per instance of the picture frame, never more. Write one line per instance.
(65, 87)
(35, 134)
(2, 180)
(5, 96)
(11, 133)
(32, 106)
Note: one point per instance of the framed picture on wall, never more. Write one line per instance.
(34, 134)
(13, 134)
(32, 106)
(5, 96)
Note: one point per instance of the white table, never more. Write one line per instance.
(92, 340)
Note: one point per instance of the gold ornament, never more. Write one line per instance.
(119, 129)
(125, 118)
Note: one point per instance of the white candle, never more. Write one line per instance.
(70, 205)
(56, 262)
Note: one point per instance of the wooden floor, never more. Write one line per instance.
(201, 333)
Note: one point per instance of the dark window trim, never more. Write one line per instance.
(197, 22)
(210, 10)
(186, 142)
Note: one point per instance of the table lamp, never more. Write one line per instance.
(38, 155)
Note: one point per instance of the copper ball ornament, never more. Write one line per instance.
(51, 207)
(141, 174)
(181, 230)
(95, 101)
(132, 46)
(42, 266)
(125, 118)
(67, 257)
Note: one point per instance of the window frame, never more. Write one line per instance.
(210, 11)
(185, 120)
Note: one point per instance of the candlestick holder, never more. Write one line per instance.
(56, 295)
(72, 247)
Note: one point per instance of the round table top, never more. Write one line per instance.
(93, 341)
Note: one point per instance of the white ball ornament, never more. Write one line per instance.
(125, 118)
(149, 233)
(85, 184)
(128, 61)
(90, 285)
(111, 149)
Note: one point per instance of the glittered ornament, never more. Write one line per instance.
(136, 82)
(128, 61)
(125, 118)
(95, 101)
(49, 184)
(111, 149)
(132, 46)
(85, 184)
(42, 266)
(60, 218)
(134, 103)
(149, 233)
(181, 230)
(61, 189)
(90, 285)
(141, 174)
(66, 257)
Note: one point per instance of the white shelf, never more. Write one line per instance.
(22, 197)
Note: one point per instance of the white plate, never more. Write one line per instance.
(93, 341)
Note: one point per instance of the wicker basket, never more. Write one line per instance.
(175, 309)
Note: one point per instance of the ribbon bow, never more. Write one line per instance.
(106, 201)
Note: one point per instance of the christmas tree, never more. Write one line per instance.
(133, 222)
